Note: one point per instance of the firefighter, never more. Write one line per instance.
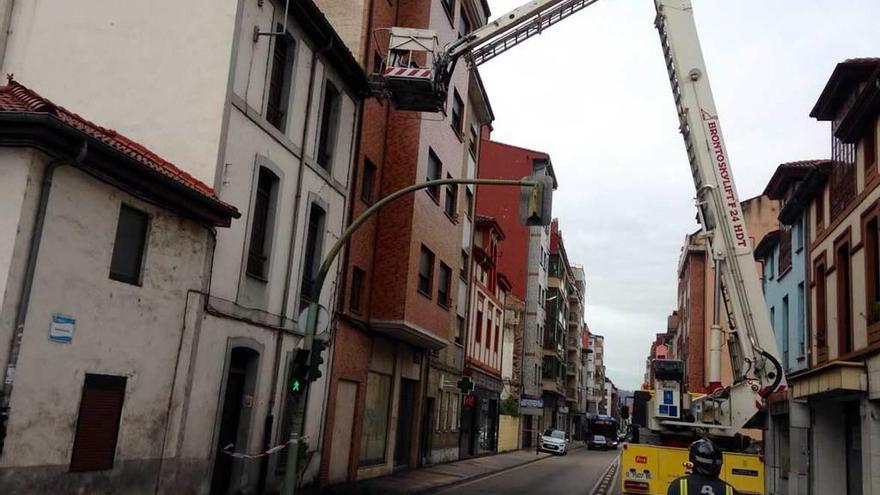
(706, 460)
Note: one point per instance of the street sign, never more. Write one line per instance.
(62, 328)
(531, 403)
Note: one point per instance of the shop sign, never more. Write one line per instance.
(531, 403)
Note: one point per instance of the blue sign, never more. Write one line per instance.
(531, 403)
(667, 397)
(62, 328)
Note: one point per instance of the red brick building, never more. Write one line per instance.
(483, 343)
(397, 352)
(695, 291)
(523, 257)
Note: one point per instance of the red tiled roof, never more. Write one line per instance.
(15, 97)
(788, 172)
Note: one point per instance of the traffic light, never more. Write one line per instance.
(536, 202)
(317, 359)
(299, 373)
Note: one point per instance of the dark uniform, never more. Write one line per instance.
(697, 484)
(706, 460)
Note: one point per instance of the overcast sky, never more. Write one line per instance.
(592, 92)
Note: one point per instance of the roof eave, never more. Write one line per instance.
(46, 133)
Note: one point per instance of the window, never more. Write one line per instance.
(872, 273)
(279, 80)
(469, 199)
(375, 427)
(444, 282)
(497, 328)
(454, 398)
(785, 251)
(126, 263)
(465, 260)
(367, 181)
(451, 198)
(464, 25)
(801, 327)
(821, 312)
(447, 403)
(426, 271)
(329, 124)
(844, 300)
(457, 113)
(479, 336)
(313, 250)
(474, 139)
(869, 145)
(785, 334)
(435, 166)
(357, 288)
(799, 234)
(820, 210)
(261, 224)
(459, 328)
(440, 400)
(97, 426)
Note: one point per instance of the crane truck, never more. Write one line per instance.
(415, 76)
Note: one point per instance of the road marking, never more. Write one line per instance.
(605, 484)
(493, 475)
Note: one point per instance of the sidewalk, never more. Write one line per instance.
(432, 478)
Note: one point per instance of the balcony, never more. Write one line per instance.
(570, 393)
(553, 345)
(553, 386)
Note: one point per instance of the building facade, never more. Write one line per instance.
(842, 275)
(406, 271)
(523, 258)
(783, 253)
(484, 343)
(105, 250)
(265, 109)
(597, 344)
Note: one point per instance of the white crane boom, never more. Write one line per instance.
(752, 347)
(751, 343)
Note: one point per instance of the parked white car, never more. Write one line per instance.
(554, 441)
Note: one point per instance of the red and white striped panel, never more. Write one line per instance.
(408, 72)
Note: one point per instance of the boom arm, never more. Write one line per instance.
(752, 347)
(508, 30)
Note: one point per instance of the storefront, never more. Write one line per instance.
(479, 420)
(531, 411)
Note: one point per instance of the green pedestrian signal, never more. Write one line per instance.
(299, 370)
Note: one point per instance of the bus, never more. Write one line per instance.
(602, 424)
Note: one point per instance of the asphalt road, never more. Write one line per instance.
(572, 474)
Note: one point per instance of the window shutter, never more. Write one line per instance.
(97, 429)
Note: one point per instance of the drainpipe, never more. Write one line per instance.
(27, 286)
(6, 9)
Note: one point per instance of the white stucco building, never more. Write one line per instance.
(103, 247)
(262, 108)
